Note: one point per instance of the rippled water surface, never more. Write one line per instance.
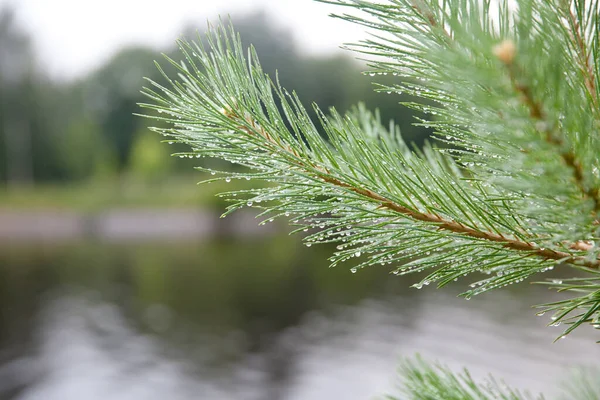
(250, 319)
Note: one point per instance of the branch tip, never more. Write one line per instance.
(505, 51)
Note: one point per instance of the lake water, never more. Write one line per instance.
(261, 319)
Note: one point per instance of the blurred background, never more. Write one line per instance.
(117, 277)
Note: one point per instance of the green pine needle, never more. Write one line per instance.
(424, 381)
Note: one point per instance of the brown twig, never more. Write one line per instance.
(582, 245)
(440, 222)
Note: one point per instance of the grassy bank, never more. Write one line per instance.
(175, 192)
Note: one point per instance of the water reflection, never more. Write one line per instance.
(258, 319)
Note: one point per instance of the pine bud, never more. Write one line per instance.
(505, 51)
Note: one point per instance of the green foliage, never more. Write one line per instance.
(84, 152)
(149, 158)
(426, 382)
(361, 186)
(115, 90)
(574, 311)
(582, 384)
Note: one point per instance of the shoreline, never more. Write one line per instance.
(127, 224)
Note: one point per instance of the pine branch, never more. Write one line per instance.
(578, 36)
(515, 193)
(499, 203)
(467, 21)
(579, 310)
(583, 57)
(506, 53)
(421, 381)
(444, 224)
(577, 32)
(582, 384)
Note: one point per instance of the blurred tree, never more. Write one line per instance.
(15, 68)
(84, 152)
(27, 133)
(110, 96)
(83, 129)
(149, 158)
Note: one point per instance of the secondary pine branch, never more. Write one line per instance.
(506, 53)
(583, 57)
(249, 127)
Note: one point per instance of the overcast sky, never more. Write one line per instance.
(74, 36)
